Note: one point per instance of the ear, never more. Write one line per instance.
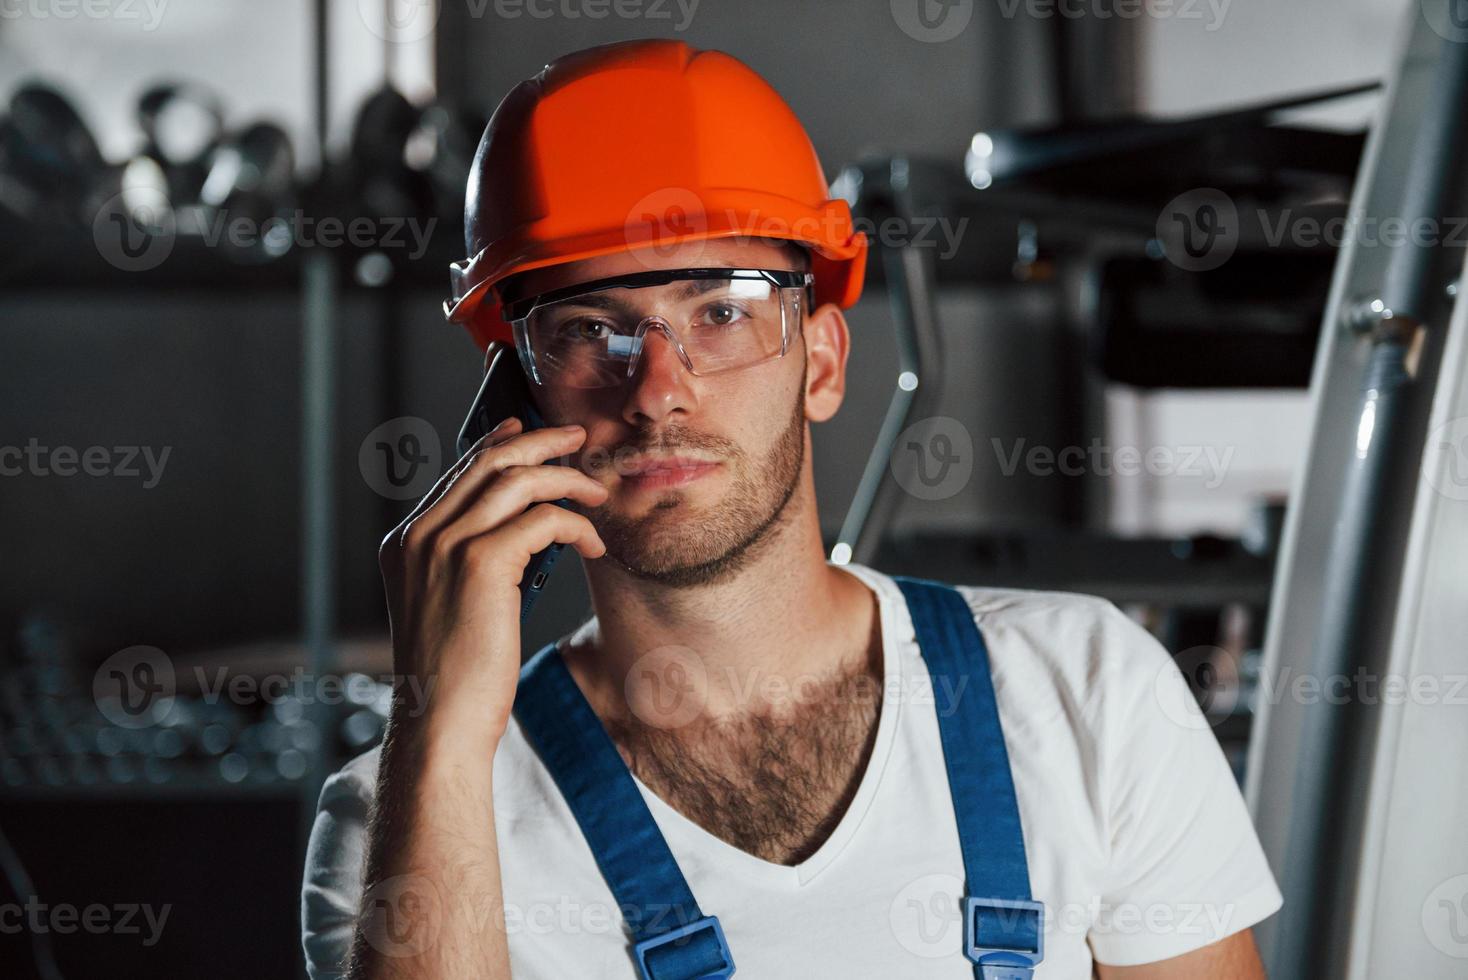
(827, 343)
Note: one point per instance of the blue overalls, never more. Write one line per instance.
(1003, 928)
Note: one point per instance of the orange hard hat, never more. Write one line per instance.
(642, 143)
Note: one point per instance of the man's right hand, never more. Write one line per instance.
(452, 569)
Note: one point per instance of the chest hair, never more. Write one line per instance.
(773, 783)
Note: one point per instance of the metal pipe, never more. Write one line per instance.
(1413, 278)
(1333, 765)
(318, 398)
(1333, 772)
(911, 292)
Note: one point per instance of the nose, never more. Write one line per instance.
(660, 380)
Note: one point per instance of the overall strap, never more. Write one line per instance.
(673, 939)
(1003, 925)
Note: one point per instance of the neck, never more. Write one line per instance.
(749, 643)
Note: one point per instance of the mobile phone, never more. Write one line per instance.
(505, 392)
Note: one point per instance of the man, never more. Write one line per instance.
(748, 756)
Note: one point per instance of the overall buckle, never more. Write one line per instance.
(703, 954)
(1004, 937)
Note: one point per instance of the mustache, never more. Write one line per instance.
(673, 440)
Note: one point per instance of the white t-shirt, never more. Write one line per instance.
(1137, 836)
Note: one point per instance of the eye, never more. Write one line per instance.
(723, 314)
(585, 328)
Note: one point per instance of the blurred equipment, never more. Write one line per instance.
(1130, 153)
(443, 147)
(379, 173)
(251, 179)
(1163, 237)
(53, 168)
(202, 196)
(1253, 322)
(209, 209)
(204, 739)
(182, 124)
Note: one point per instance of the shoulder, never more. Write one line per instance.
(1053, 655)
(1077, 658)
(1071, 671)
(1076, 635)
(358, 778)
(347, 793)
(1080, 650)
(1100, 721)
(341, 816)
(331, 886)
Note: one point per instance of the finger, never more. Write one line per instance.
(503, 554)
(546, 524)
(515, 491)
(507, 429)
(483, 466)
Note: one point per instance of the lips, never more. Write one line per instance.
(647, 467)
(671, 471)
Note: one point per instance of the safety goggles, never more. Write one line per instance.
(592, 335)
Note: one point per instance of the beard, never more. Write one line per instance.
(697, 547)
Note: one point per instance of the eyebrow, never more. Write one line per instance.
(694, 287)
(603, 300)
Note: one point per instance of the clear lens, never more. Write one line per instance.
(592, 340)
